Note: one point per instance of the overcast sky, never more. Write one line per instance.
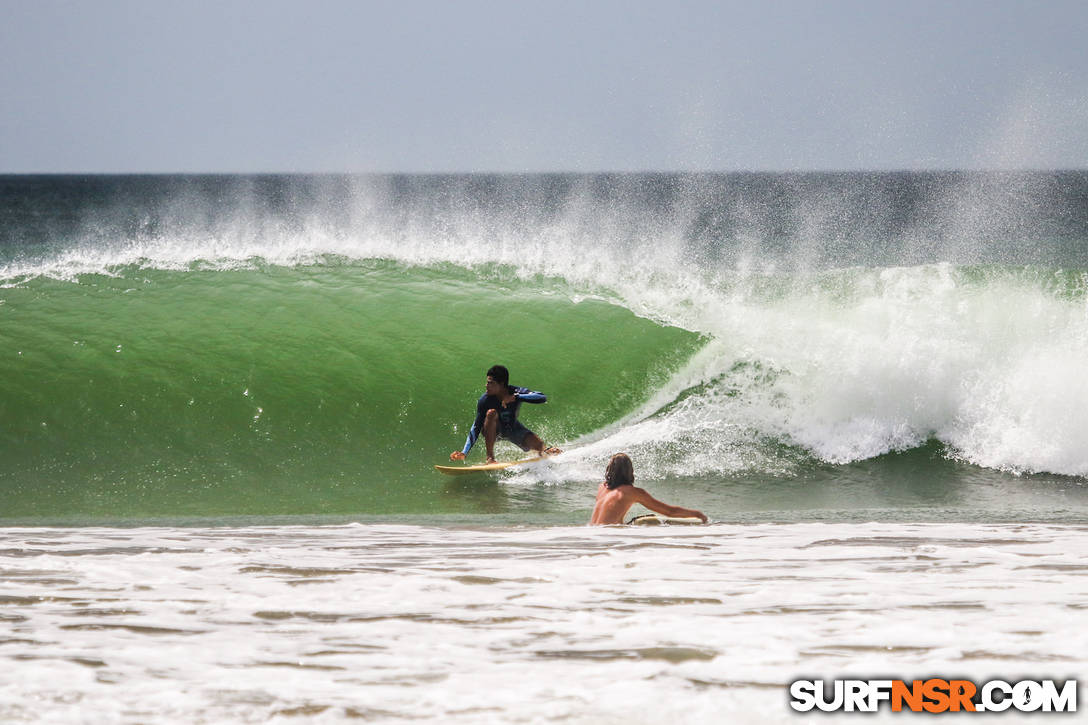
(463, 85)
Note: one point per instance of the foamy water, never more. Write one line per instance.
(614, 624)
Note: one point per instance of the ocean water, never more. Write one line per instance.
(223, 397)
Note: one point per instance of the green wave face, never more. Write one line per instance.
(324, 389)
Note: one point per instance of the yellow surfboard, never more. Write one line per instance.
(486, 467)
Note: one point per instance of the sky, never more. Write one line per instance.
(248, 86)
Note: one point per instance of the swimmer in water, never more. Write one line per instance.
(618, 493)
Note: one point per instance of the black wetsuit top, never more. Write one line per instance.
(509, 426)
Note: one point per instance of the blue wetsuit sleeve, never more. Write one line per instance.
(477, 425)
(530, 396)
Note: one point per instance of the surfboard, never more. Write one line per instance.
(660, 520)
(486, 467)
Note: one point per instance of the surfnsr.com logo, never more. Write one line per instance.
(934, 695)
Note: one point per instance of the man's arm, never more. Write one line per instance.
(529, 396)
(643, 497)
(477, 425)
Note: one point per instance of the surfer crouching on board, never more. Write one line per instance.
(618, 493)
(497, 417)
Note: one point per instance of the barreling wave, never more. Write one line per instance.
(263, 355)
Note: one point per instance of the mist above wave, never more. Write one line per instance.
(714, 222)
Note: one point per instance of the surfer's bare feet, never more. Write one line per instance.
(491, 460)
(551, 451)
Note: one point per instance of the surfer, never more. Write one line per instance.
(618, 493)
(497, 417)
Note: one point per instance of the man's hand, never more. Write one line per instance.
(457, 456)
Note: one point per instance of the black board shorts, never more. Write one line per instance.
(514, 432)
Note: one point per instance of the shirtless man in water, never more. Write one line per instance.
(618, 493)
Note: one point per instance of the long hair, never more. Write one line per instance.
(620, 471)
